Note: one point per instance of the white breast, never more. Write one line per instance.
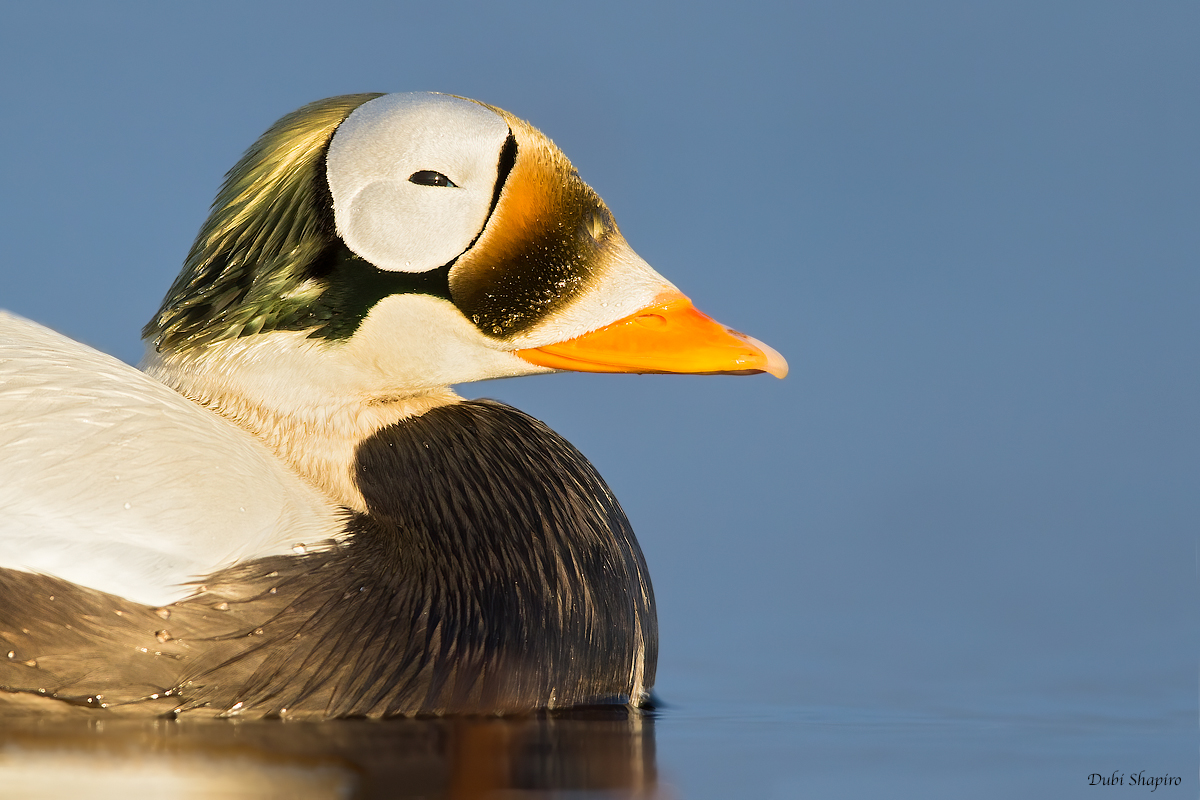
(111, 480)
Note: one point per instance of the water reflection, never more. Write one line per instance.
(581, 752)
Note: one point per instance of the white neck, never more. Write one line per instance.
(304, 402)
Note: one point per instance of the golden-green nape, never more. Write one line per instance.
(250, 267)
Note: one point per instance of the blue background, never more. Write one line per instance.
(956, 550)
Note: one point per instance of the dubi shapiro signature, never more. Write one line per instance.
(1117, 778)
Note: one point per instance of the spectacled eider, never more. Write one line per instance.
(309, 522)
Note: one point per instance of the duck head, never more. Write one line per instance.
(370, 250)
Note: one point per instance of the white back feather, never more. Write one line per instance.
(111, 480)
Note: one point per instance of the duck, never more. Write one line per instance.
(287, 512)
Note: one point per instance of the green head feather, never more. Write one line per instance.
(255, 264)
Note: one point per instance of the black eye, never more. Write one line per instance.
(427, 177)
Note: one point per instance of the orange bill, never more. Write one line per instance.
(668, 336)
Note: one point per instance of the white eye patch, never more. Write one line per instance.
(404, 225)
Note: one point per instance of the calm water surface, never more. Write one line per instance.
(697, 750)
(773, 752)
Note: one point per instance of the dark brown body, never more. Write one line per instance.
(493, 573)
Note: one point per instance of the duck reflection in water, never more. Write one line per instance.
(609, 751)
